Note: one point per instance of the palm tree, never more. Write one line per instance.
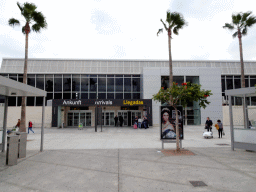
(174, 22)
(38, 22)
(241, 22)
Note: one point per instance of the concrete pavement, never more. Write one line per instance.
(124, 159)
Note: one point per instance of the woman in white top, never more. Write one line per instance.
(139, 122)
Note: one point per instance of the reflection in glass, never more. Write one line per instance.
(93, 84)
(127, 85)
(40, 83)
(119, 84)
(57, 84)
(76, 84)
(102, 84)
(229, 83)
(49, 84)
(180, 79)
(84, 84)
(136, 84)
(110, 84)
(66, 84)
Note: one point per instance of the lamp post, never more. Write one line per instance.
(96, 111)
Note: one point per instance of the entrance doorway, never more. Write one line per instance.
(74, 118)
(108, 118)
(129, 116)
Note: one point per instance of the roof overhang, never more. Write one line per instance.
(9, 87)
(242, 92)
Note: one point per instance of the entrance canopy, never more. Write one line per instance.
(243, 138)
(9, 87)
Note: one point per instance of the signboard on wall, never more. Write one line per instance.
(168, 122)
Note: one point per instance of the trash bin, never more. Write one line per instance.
(12, 150)
(80, 126)
(22, 145)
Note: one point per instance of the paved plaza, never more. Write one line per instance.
(124, 159)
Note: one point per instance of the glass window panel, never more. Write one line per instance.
(93, 75)
(119, 84)
(178, 79)
(101, 95)
(136, 95)
(12, 101)
(127, 85)
(192, 79)
(76, 95)
(76, 84)
(102, 75)
(119, 75)
(127, 95)
(246, 83)
(165, 82)
(84, 76)
(223, 85)
(84, 84)
(93, 84)
(39, 101)
(92, 95)
(119, 95)
(57, 95)
(30, 101)
(229, 77)
(84, 95)
(253, 77)
(238, 100)
(49, 84)
(66, 76)
(66, 95)
(13, 76)
(229, 83)
(20, 78)
(237, 77)
(110, 75)
(237, 83)
(253, 100)
(31, 81)
(252, 82)
(66, 84)
(39, 76)
(40, 83)
(102, 84)
(136, 75)
(76, 76)
(127, 75)
(110, 85)
(49, 96)
(5, 75)
(57, 84)
(57, 76)
(19, 101)
(49, 76)
(135, 84)
(110, 95)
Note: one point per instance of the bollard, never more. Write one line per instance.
(12, 150)
(22, 145)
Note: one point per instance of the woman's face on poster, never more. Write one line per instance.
(166, 117)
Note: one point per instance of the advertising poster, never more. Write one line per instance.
(168, 122)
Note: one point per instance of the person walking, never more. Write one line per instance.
(18, 124)
(116, 121)
(220, 130)
(121, 120)
(30, 127)
(208, 124)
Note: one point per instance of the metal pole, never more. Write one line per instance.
(101, 118)
(245, 114)
(42, 128)
(5, 123)
(231, 122)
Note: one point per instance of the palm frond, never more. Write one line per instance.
(159, 31)
(235, 19)
(164, 25)
(245, 15)
(229, 26)
(21, 8)
(235, 34)
(36, 28)
(23, 30)
(244, 31)
(175, 31)
(12, 22)
(28, 10)
(39, 18)
(250, 21)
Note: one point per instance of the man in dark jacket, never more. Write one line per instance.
(116, 120)
(208, 124)
(121, 120)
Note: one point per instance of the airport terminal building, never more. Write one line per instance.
(121, 87)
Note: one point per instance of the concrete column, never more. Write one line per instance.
(5, 123)
(231, 123)
(42, 128)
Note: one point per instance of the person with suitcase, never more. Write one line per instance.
(208, 124)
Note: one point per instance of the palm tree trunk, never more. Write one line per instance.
(241, 60)
(170, 60)
(23, 101)
(177, 131)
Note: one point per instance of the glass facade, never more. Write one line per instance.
(234, 82)
(79, 86)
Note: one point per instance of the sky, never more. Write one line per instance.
(117, 29)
